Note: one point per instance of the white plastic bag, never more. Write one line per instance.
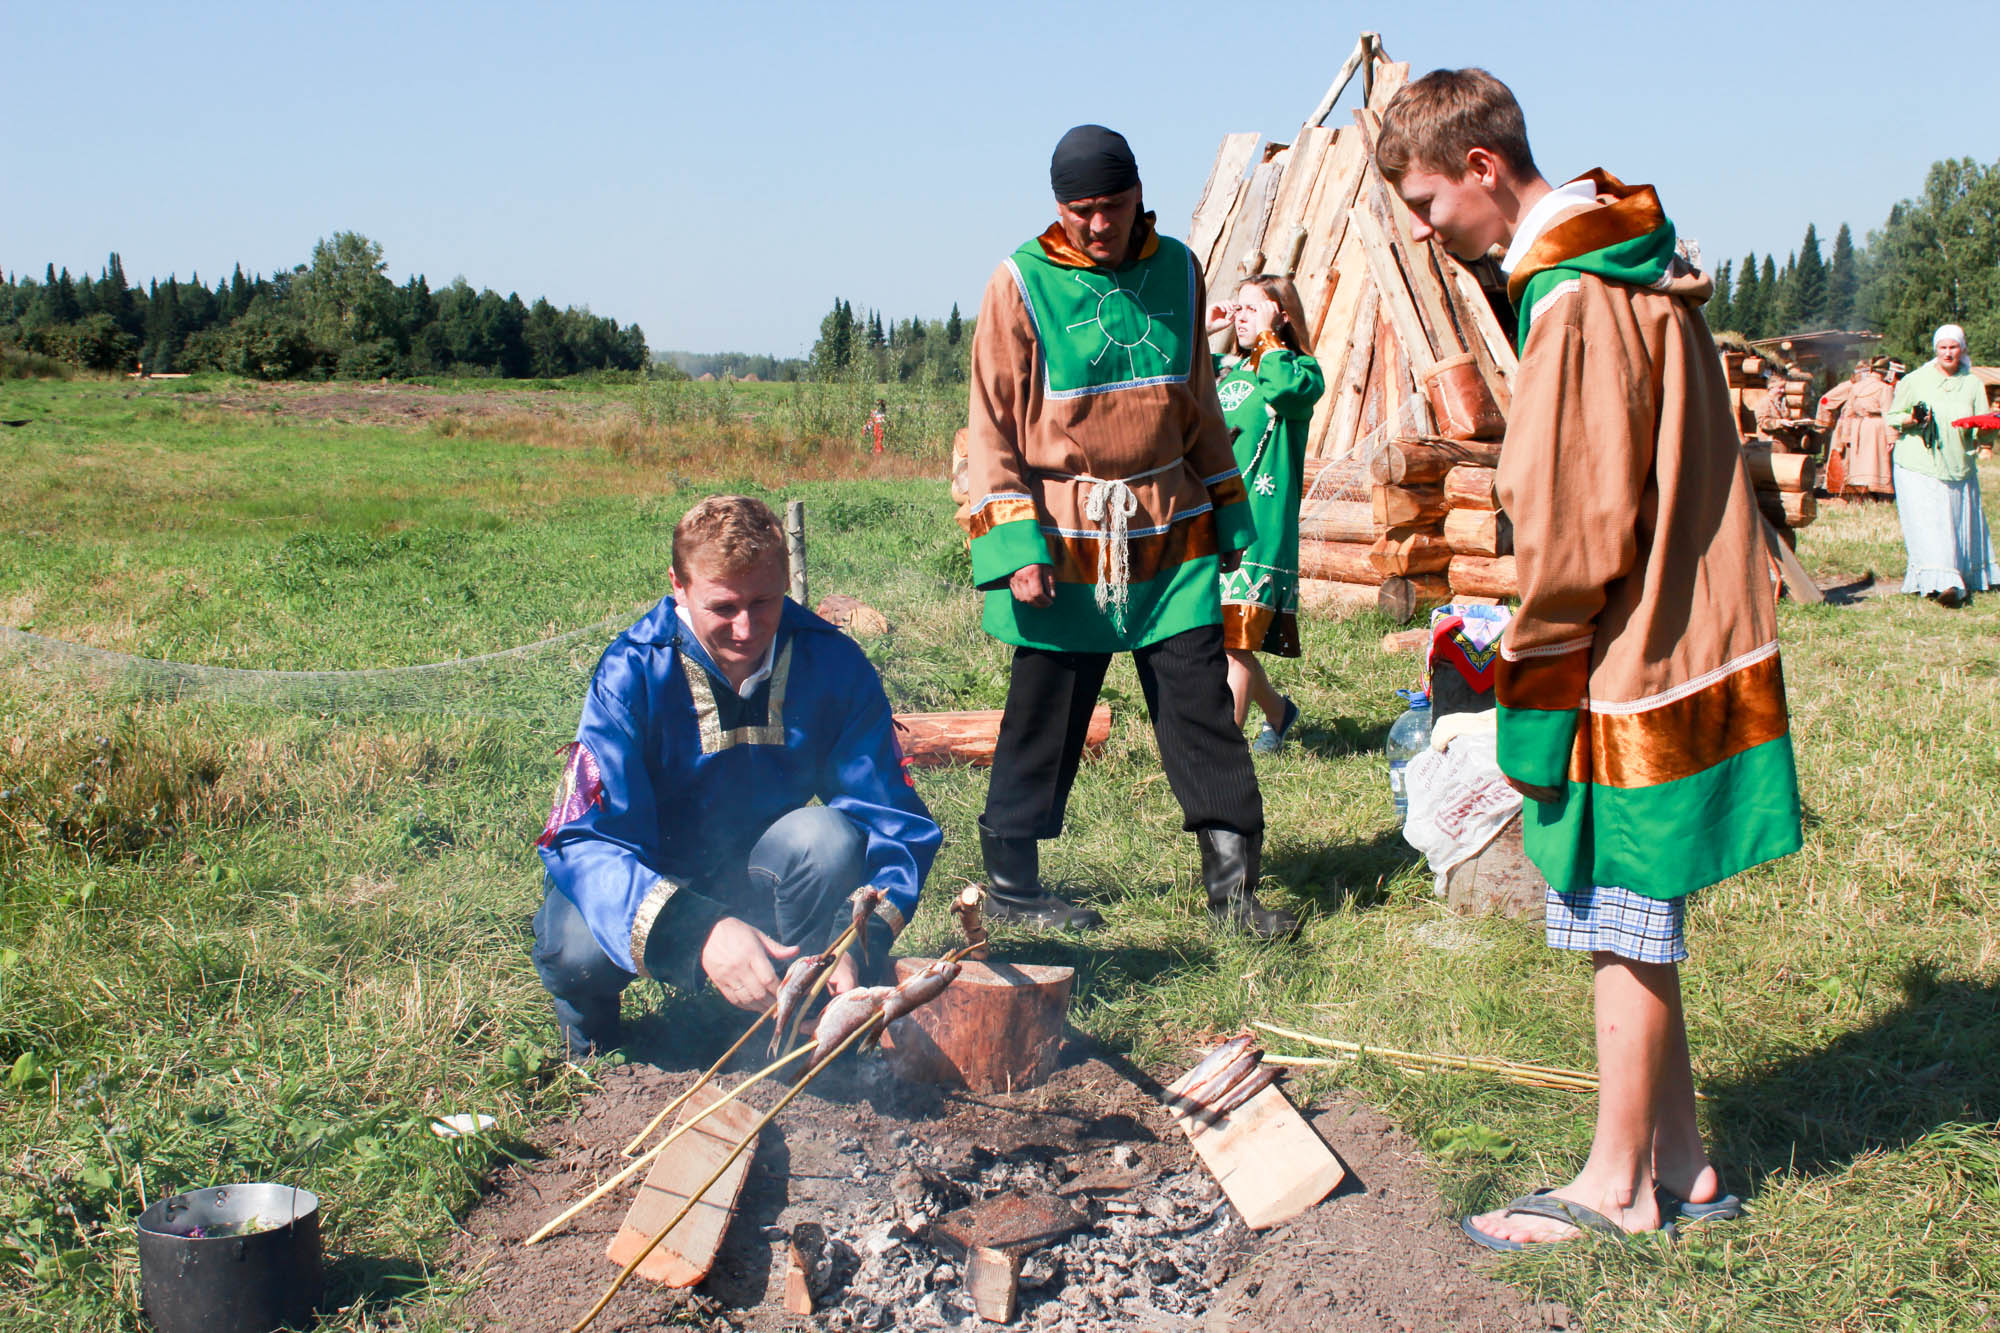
(1458, 801)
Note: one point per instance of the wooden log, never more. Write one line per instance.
(1331, 597)
(1332, 431)
(1789, 509)
(1796, 579)
(1413, 462)
(1408, 506)
(1409, 551)
(1406, 594)
(1470, 486)
(1485, 576)
(1773, 471)
(1499, 880)
(993, 1280)
(1339, 521)
(1478, 532)
(798, 1287)
(1407, 640)
(932, 740)
(1346, 562)
(1397, 303)
(998, 1028)
(1246, 228)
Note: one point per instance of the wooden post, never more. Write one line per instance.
(795, 548)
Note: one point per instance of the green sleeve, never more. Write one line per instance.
(1006, 548)
(1535, 744)
(1290, 382)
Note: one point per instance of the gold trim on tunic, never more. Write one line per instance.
(650, 907)
(713, 738)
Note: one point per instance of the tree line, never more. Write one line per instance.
(1936, 260)
(936, 351)
(339, 316)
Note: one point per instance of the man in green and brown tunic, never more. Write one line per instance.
(1105, 503)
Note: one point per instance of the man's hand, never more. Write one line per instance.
(1227, 561)
(1034, 584)
(1532, 792)
(846, 976)
(738, 959)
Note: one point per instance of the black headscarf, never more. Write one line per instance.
(1091, 162)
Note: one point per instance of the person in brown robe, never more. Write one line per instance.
(1641, 704)
(1869, 439)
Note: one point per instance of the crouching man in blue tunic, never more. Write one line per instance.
(683, 843)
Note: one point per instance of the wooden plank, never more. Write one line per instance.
(1268, 1160)
(684, 1257)
(1394, 220)
(993, 1280)
(1246, 228)
(1332, 198)
(1803, 587)
(1331, 433)
(1397, 305)
(1498, 345)
(1296, 190)
(1218, 196)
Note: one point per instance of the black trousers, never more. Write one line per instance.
(1186, 683)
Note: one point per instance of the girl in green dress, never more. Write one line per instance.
(1268, 388)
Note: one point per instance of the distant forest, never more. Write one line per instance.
(337, 317)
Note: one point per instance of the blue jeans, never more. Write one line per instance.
(794, 888)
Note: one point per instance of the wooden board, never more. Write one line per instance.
(1268, 1160)
(684, 1257)
(1218, 197)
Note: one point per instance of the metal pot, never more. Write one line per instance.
(231, 1259)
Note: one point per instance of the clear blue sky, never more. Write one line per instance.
(719, 172)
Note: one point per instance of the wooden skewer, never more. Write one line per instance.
(639, 1163)
(846, 938)
(632, 1266)
(1523, 1078)
(1485, 1064)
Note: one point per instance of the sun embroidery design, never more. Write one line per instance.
(1127, 325)
(1232, 394)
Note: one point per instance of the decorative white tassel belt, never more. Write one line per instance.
(1110, 504)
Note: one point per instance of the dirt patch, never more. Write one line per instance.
(410, 405)
(877, 1168)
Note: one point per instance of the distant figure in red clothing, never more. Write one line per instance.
(878, 422)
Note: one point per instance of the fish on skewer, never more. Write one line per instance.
(866, 899)
(1206, 1093)
(1213, 1063)
(844, 1014)
(919, 990)
(966, 906)
(792, 994)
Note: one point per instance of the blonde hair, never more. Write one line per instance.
(1293, 333)
(1433, 123)
(736, 532)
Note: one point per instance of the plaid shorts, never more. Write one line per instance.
(1631, 925)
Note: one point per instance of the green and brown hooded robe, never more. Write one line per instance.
(1096, 445)
(1640, 677)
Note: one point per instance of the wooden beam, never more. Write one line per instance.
(1218, 196)
(1409, 551)
(1340, 521)
(1478, 532)
(1342, 562)
(1472, 486)
(1802, 584)
(1485, 576)
(932, 740)
(1422, 460)
(1408, 506)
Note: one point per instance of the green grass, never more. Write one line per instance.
(257, 943)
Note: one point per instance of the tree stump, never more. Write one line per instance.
(1500, 879)
(998, 1028)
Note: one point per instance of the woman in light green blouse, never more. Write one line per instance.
(1937, 475)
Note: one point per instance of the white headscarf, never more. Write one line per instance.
(1949, 333)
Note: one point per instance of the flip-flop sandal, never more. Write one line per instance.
(1543, 1204)
(1723, 1208)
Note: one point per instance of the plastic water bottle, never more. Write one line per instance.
(1409, 735)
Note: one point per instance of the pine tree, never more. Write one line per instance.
(1843, 279)
(1811, 282)
(1749, 299)
(1786, 316)
(1720, 312)
(954, 328)
(1771, 299)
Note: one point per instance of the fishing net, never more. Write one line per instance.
(542, 682)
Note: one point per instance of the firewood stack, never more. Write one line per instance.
(1784, 482)
(1419, 366)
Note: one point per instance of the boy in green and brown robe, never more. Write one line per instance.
(1641, 703)
(1105, 503)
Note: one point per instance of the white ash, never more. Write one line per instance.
(1147, 1254)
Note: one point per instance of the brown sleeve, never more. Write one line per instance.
(1002, 519)
(1578, 455)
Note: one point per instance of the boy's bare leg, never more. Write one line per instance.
(1638, 1017)
(1680, 1160)
(1248, 684)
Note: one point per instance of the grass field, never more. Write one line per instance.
(245, 941)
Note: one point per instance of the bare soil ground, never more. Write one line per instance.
(872, 1162)
(389, 404)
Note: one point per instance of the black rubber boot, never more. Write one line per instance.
(1014, 891)
(1229, 869)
